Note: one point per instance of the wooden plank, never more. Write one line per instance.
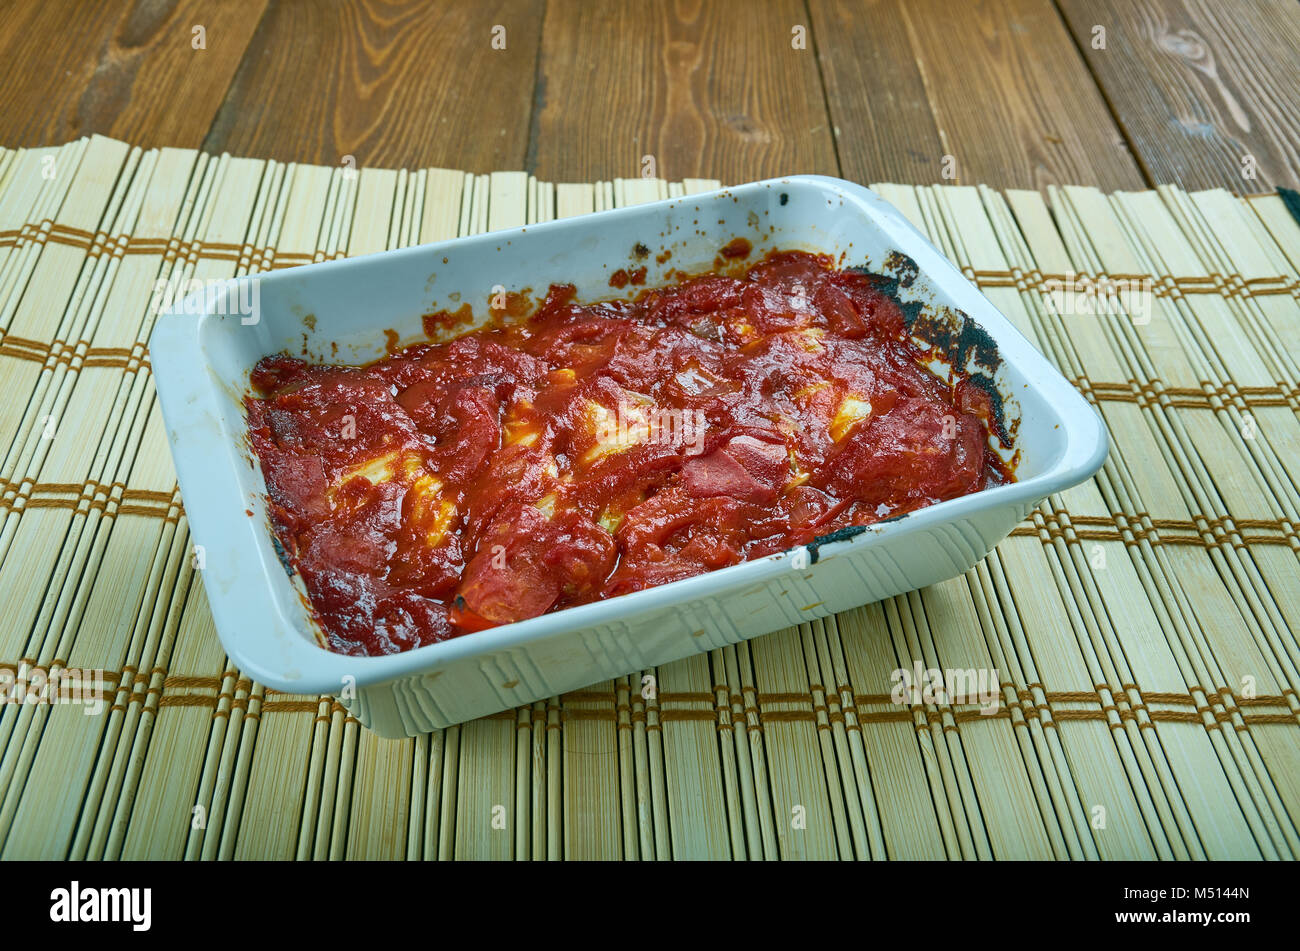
(875, 86)
(1012, 101)
(1197, 87)
(407, 85)
(713, 90)
(128, 71)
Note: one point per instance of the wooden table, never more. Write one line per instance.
(1122, 94)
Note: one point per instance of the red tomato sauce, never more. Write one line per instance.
(589, 450)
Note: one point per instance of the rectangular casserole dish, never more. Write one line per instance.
(202, 354)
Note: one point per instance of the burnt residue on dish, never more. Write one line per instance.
(892, 285)
(951, 334)
(1004, 430)
(966, 347)
(282, 554)
(844, 534)
(902, 266)
(839, 535)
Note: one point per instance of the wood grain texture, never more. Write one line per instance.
(882, 90)
(127, 70)
(1010, 95)
(708, 89)
(1197, 87)
(405, 84)
(875, 88)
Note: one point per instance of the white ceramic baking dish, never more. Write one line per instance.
(339, 310)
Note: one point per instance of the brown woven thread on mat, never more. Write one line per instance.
(95, 243)
(1207, 396)
(113, 499)
(1161, 285)
(1209, 532)
(290, 706)
(187, 700)
(130, 674)
(139, 680)
(1045, 713)
(61, 352)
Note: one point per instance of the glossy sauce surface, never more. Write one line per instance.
(589, 450)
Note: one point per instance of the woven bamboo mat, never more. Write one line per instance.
(1142, 625)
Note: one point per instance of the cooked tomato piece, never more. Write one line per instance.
(745, 468)
(920, 451)
(529, 561)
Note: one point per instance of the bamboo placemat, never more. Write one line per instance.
(1142, 624)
